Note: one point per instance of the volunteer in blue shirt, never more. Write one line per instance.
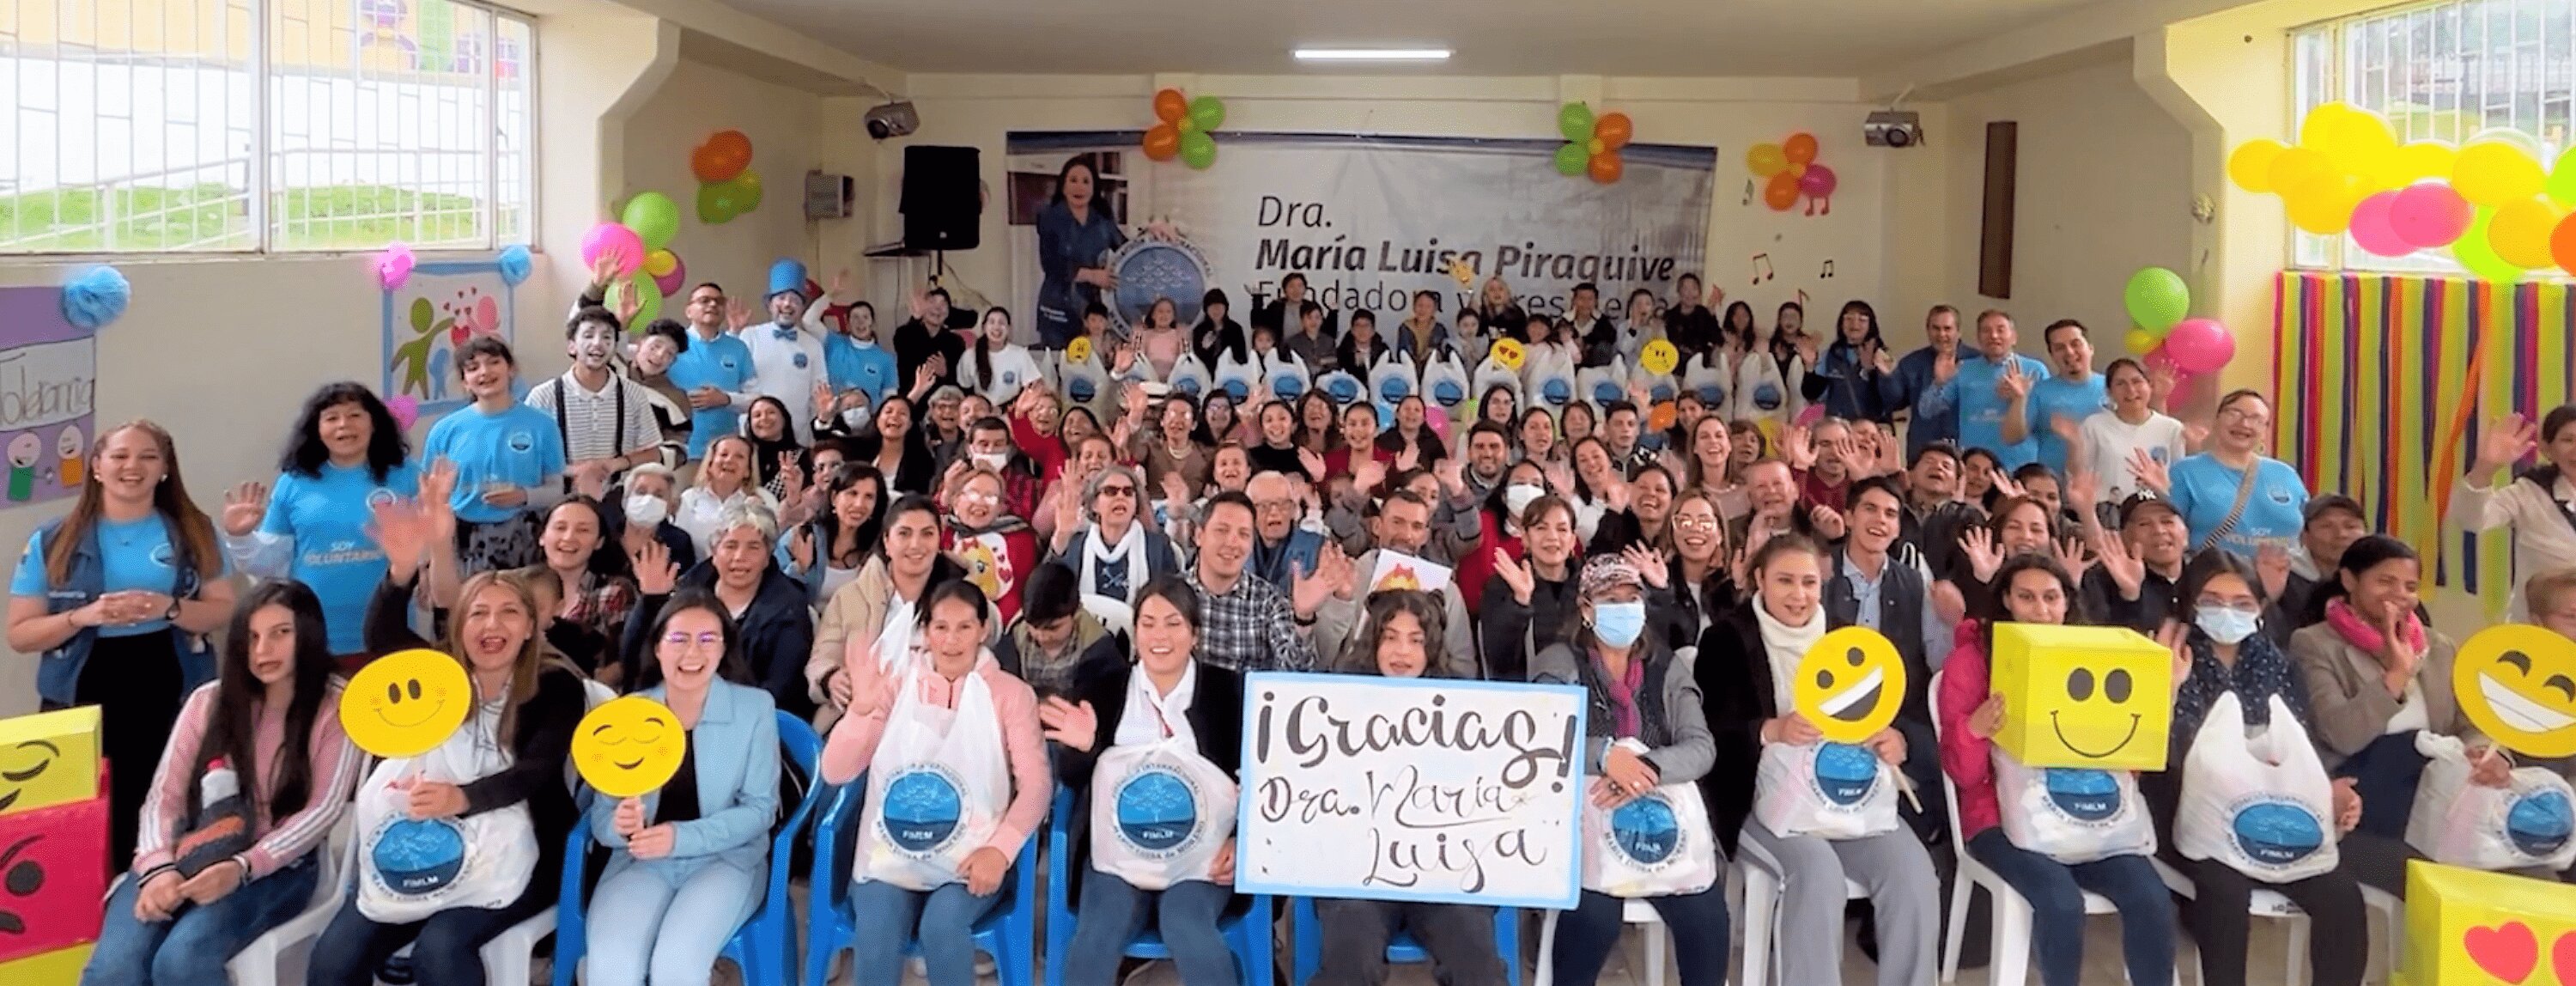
(346, 455)
(507, 456)
(715, 370)
(853, 358)
(2057, 406)
(1920, 375)
(2232, 495)
(118, 596)
(1986, 387)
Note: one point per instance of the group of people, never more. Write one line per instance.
(939, 557)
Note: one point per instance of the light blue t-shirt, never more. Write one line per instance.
(2204, 491)
(134, 555)
(516, 447)
(327, 518)
(1981, 411)
(723, 363)
(853, 366)
(2070, 400)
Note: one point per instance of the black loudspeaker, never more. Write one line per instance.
(943, 197)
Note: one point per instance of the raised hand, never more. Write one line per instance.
(629, 302)
(1978, 543)
(1411, 456)
(2504, 443)
(1516, 575)
(1945, 365)
(1308, 590)
(1368, 474)
(1130, 400)
(1560, 478)
(2083, 490)
(840, 286)
(1793, 729)
(2177, 640)
(821, 398)
(244, 507)
(2127, 570)
(737, 314)
(1312, 462)
(1452, 474)
(2012, 385)
(1827, 521)
(1176, 492)
(1988, 719)
(401, 529)
(2149, 472)
(2072, 554)
(2005, 485)
(1650, 565)
(2272, 564)
(800, 546)
(603, 270)
(1798, 444)
(1338, 571)
(1615, 494)
(655, 573)
(1075, 726)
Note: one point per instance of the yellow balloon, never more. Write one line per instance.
(1765, 160)
(406, 703)
(2357, 139)
(2251, 166)
(2142, 341)
(629, 747)
(2493, 172)
(2293, 168)
(2520, 232)
(2422, 159)
(660, 263)
(2323, 204)
(2323, 123)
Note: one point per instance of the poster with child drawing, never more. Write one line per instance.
(48, 395)
(441, 306)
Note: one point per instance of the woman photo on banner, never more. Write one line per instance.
(1075, 232)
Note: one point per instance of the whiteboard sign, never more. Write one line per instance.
(1411, 790)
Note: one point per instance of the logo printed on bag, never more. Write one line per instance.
(924, 809)
(1288, 387)
(1557, 391)
(1448, 392)
(415, 857)
(2540, 824)
(2083, 793)
(1237, 389)
(1081, 389)
(1845, 773)
(1647, 832)
(1607, 390)
(2275, 832)
(1158, 812)
(1391, 390)
(1767, 397)
(1711, 394)
(1342, 387)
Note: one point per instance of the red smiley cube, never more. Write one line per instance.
(53, 873)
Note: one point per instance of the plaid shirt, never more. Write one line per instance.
(1251, 627)
(600, 604)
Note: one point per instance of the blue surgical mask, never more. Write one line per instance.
(2226, 626)
(1619, 624)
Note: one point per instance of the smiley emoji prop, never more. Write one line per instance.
(2470, 926)
(48, 759)
(53, 872)
(1849, 684)
(629, 747)
(1659, 357)
(2099, 697)
(2517, 684)
(406, 703)
(1508, 352)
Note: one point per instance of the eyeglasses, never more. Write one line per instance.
(1695, 523)
(702, 642)
(2245, 605)
(1121, 490)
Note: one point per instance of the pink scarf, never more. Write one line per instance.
(2362, 634)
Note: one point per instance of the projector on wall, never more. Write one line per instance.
(892, 120)
(1893, 128)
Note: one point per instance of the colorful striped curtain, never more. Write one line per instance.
(2386, 381)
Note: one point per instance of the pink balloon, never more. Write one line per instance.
(670, 284)
(393, 266)
(2428, 215)
(2199, 345)
(487, 315)
(2371, 228)
(607, 238)
(405, 408)
(1818, 182)
(1436, 418)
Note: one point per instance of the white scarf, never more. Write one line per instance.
(1785, 646)
(1130, 551)
(1148, 715)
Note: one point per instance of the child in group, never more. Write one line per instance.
(507, 455)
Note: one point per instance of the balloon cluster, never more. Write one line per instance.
(1592, 143)
(2160, 303)
(1790, 172)
(1185, 128)
(727, 187)
(647, 270)
(2491, 202)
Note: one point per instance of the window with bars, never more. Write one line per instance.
(2443, 71)
(264, 125)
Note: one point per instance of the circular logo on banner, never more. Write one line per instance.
(2277, 833)
(1659, 356)
(1646, 830)
(1845, 773)
(1079, 350)
(1508, 352)
(2517, 684)
(418, 856)
(1148, 270)
(2539, 824)
(2083, 793)
(1849, 684)
(923, 809)
(1158, 812)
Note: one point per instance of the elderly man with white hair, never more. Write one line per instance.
(1281, 547)
(1114, 553)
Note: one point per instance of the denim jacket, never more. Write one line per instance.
(737, 775)
(58, 673)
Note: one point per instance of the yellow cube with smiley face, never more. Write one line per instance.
(60, 967)
(48, 759)
(2470, 926)
(2098, 697)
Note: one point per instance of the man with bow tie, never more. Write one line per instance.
(787, 360)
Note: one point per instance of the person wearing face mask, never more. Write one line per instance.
(604, 420)
(867, 627)
(645, 504)
(656, 352)
(773, 629)
(1498, 519)
(989, 448)
(1529, 605)
(2533, 504)
(786, 357)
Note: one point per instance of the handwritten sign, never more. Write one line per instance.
(48, 393)
(1411, 790)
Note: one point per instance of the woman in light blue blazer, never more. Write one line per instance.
(691, 860)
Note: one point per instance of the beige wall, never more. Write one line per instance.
(696, 101)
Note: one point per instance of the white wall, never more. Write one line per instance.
(694, 102)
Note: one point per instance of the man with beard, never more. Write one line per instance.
(1489, 456)
(1402, 525)
(604, 420)
(2134, 585)
(786, 358)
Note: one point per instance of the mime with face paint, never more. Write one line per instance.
(604, 420)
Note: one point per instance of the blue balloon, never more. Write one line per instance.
(515, 264)
(95, 297)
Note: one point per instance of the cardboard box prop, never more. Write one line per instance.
(49, 759)
(2470, 926)
(53, 873)
(2099, 697)
(60, 967)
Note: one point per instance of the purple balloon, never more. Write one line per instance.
(670, 284)
(614, 238)
(1818, 182)
(2428, 215)
(2372, 231)
(2199, 345)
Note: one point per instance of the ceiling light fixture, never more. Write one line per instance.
(1372, 54)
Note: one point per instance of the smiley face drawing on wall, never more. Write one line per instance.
(2517, 684)
(406, 703)
(70, 446)
(24, 450)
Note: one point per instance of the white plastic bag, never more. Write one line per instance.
(1394, 378)
(2261, 805)
(1444, 379)
(1657, 845)
(1603, 384)
(1342, 387)
(1286, 376)
(1085, 381)
(937, 786)
(411, 869)
(2072, 815)
(1547, 373)
(2525, 823)
(1238, 377)
(1707, 375)
(1827, 790)
(1190, 377)
(1159, 813)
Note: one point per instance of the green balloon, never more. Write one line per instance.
(1571, 159)
(654, 217)
(744, 190)
(2480, 258)
(1574, 120)
(2562, 180)
(650, 305)
(1208, 112)
(2157, 299)
(715, 203)
(1198, 150)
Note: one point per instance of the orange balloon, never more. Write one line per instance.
(734, 145)
(1606, 167)
(1170, 106)
(1614, 130)
(1782, 192)
(1800, 148)
(704, 163)
(1163, 142)
(2562, 244)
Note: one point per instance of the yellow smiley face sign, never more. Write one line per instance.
(1659, 356)
(1508, 353)
(629, 747)
(2517, 684)
(1078, 351)
(406, 703)
(1850, 684)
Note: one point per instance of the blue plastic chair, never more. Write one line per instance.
(765, 946)
(1307, 935)
(1246, 934)
(1008, 932)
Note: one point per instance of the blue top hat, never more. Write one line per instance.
(785, 276)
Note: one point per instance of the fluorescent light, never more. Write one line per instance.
(1372, 54)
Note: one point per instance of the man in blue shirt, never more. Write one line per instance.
(2057, 406)
(716, 370)
(1920, 374)
(1988, 386)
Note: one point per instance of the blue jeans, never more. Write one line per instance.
(1586, 934)
(664, 921)
(446, 947)
(888, 917)
(2056, 894)
(191, 948)
(1186, 914)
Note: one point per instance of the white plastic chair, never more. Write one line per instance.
(2392, 909)
(507, 959)
(256, 963)
(2271, 904)
(1633, 912)
(1761, 928)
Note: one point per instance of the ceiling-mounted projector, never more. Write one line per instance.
(892, 120)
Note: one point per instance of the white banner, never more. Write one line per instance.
(1407, 789)
(1368, 220)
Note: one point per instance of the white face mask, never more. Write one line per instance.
(1518, 496)
(646, 510)
(993, 460)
